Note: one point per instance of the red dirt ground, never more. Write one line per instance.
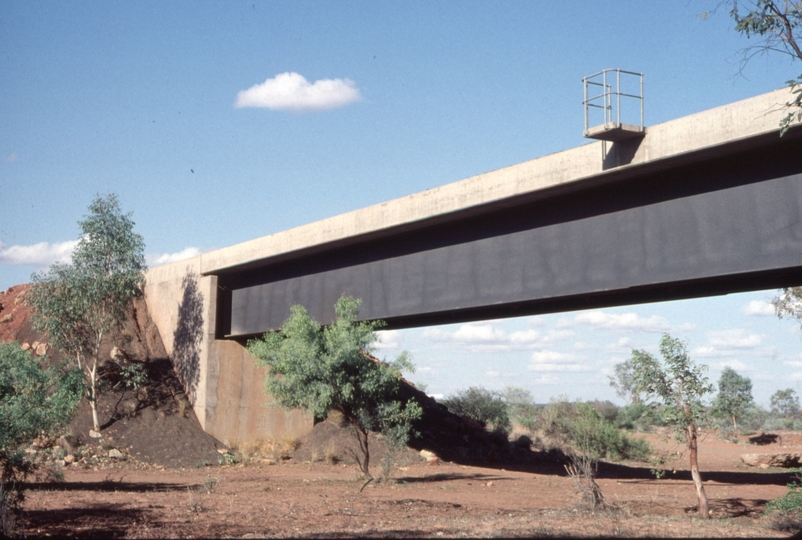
(317, 499)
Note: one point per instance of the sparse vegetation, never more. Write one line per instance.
(623, 382)
(785, 403)
(680, 385)
(579, 429)
(330, 369)
(34, 402)
(734, 399)
(521, 407)
(77, 305)
(485, 406)
(786, 511)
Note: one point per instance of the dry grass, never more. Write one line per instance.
(265, 450)
(332, 458)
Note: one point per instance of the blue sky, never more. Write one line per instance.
(216, 123)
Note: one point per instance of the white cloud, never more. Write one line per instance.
(11, 157)
(492, 373)
(623, 344)
(388, 339)
(547, 379)
(487, 337)
(737, 365)
(758, 307)
(44, 254)
(472, 333)
(736, 338)
(733, 342)
(793, 363)
(156, 259)
(292, 92)
(622, 321)
(555, 361)
(40, 255)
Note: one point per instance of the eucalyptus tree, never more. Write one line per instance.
(680, 385)
(777, 26)
(734, 399)
(332, 369)
(76, 305)
(622, 382)
(785, 403)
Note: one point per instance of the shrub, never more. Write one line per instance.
(521, 407)
(330, 369)
(33, 401)
(787, 510)
(581, 428)
(485, 406)
(607, 409)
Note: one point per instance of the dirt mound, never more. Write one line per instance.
(154, 424)
(449, 437)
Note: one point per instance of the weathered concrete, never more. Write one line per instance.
(237, 409)
(221, 378)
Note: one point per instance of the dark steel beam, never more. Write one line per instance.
(722, 224)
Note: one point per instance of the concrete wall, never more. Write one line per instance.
(220, 377)
(237, 408)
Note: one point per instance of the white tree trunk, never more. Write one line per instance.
(93, 397)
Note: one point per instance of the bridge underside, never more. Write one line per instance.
(714, 225)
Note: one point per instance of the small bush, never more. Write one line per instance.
(775, 422)
(638, 416)
(485, 406)
(521, 407)
(33, 401)
(581, 428)
(607, 409)
(786, 511)
(210, 484)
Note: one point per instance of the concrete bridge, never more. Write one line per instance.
(703, 205)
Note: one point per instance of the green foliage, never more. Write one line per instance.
(76, 305)
(677, 382)
(328, 369)
(790, 502)
(639, 416)
(484, 406)
(623, 381)
(581, 429)
(785, 403)
(521, 407)
(788, 508)
(777, 25)
(33, 401)
(680, 385)
(607, 409)
(734, 399)
(133, 376)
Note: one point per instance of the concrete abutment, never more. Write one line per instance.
(221, 378)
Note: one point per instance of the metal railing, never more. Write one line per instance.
(609, 81)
